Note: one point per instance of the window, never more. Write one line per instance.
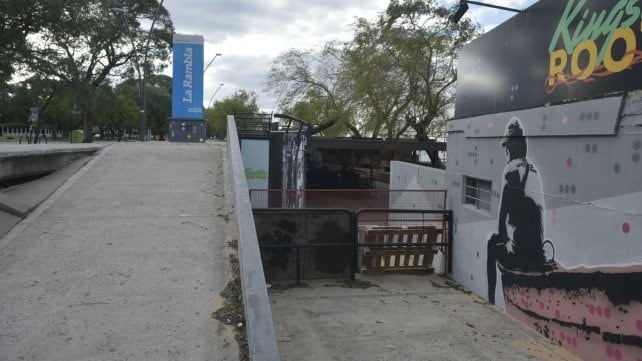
(477, 193)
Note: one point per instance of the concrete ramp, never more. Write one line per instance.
(55, 163)
(125, 261)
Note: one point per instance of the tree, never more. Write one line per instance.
(159, 104)
(242, 101)
(394, 78)
(58, 115)
(18, 20)
(314, 80)
(87, 43)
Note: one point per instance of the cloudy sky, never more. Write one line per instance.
(251, 33)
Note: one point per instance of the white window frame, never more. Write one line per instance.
(477, 193)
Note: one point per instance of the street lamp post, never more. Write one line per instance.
(141, 77)
(212, 97)
(211, 61)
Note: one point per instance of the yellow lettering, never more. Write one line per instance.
(589, 47)
(557, 65)
(628, 36)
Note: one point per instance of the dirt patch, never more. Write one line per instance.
(287, 286)
(355, 284)
(232, 312)
(452, 285)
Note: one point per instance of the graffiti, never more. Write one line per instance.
(519, 241)
(255, 173)
(595, 312)
(578, 30)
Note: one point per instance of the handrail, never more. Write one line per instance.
(261, 337)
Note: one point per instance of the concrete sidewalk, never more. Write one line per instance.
(400, 318)
(125, 261)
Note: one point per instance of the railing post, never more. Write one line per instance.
(355, 249)
(451, 240)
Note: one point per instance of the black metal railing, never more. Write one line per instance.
(299, 244)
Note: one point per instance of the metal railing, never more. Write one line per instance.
(348, 198)
(299, 244)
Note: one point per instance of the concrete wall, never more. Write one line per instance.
(588, 157)
(19, 161)
(261, 338)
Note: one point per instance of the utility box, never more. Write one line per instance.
(187, 130)
(77, 136)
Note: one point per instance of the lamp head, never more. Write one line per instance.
(461, 10)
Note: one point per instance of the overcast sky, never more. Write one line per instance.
(251, 33)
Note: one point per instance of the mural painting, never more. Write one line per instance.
(595, 312)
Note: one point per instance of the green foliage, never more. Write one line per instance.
(78, 44)
(394, 79)
(242, 101)
(159, 104)
(312, 87)
(18, 20)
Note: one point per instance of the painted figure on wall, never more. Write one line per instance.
(519, 241)
(594, 311)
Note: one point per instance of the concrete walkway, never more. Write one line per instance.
(400, 318)
(125, 261)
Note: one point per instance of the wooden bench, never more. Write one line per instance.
(395, 249)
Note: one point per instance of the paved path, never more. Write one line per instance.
(402, 318)
(124, 262)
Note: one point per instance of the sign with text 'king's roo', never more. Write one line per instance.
(554, 51)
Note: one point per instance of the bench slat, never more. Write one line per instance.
(395, 257)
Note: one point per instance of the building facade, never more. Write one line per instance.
(544, 173)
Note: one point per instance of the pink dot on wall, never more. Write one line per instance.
(607, 313)
(609, 351)
(541, 305)
(557, 313)
(591, 309)
(569, 162)
(617, 354)
(639, 325)
(565, 120)
(599, 310)
(626, 228)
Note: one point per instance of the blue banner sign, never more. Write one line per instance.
(187, 84)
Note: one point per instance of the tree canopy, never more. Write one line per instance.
(242, 101)
(77, 45)
(394, 79)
